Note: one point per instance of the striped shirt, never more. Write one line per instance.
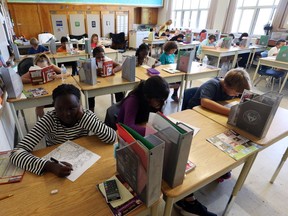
(56, 133)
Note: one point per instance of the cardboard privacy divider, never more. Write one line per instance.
(53, 49)
(12, 81)
(264, 39)
(140, 163)
(226, 44)
(88, 46)
(15, 51)
(282, 54)
(128, 68)
(245, 43)
(184, 60)
(87, 71)
(255, 115)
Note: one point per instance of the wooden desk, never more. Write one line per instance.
(105, 85)
(271, 62)
(155, 42)
(32, 195)
(24, 103)
(111, 53)
(66, 57)
(191, 45)
(211, 162)
(221, 52)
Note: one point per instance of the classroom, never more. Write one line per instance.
(152, 107)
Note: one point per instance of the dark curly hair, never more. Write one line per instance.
(66, 89)
(97, 50)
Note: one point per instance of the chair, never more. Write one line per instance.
(78, 37)
(112, 115)
(283, 159)
(188, 94)
(118, 41)
(269, 74)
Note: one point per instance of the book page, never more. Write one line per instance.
(80, 158)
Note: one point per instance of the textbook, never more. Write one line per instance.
(40, 75)
(233, 144)
(129, 199)
(9, 173)
(35, 92)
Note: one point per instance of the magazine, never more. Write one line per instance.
(233, 144)
(129, 200)
(36, 92)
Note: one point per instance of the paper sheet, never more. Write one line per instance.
(80, 158)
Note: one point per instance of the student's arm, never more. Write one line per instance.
(56, 69)
(214, 106)
(90, 122)
(116, 67)
(26, 78)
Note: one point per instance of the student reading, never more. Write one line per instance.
(67, 121)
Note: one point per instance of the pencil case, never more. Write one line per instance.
(153, 72)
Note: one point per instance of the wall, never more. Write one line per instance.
(32, 19)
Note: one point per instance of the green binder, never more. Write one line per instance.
(264, 40)
(282, 54)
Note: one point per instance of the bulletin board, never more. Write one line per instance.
(77, 24)
(147, 3)
(93, 24)
(60, 27)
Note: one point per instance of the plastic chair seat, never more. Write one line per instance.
(274, 73)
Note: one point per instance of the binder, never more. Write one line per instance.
(264, 39)
(282, 54)
(255, 115)
(178, 139)
(140, 163)
(87, 71)
(128, 68)
(184, 60)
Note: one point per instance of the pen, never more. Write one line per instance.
(5, 197)
(56, 161)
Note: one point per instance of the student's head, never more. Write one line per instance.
(231, 36)
(34, 42)
(168, 22)
(280, 43)
(142, 51)
(170, 47)
(63, 41)
(235, 81)
(94, 38)
(151, 29)
(99, 54)
(66, 101)
(42, 60)
(180, 37)
(212, 38)
(203, 31)
(243, 35)
(167, 31)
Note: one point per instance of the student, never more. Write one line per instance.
(243, 57)
(148, 96)
(178, 38)
(218, 89)
(95, 41)
(36, 48)
(274, 50)
(62, 48)
(208, 43)
(68, 121)
(219, 42)
(99, 55)
(168, 57)
(41, 60)
(166, 34)
(238, 40)
(142, 57)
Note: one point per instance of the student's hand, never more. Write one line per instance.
(58, 169)
(153, 66)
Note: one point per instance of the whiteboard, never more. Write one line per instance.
(93, 24)
(60, 26)
(77, 24)
(108, 24)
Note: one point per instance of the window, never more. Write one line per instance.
(252, 15)
(190, 13)
(122, 23)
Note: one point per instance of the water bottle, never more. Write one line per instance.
(205, 61)
(63, 72)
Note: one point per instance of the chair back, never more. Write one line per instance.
(188, 94)
(118, 41)
(24, 65)
(78, 37)
(112, 115)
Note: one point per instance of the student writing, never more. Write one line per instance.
(67, 121)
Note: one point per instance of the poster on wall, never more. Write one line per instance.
(59, 24)
(93, 24)
(77, 24)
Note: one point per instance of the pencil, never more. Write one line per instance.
(5, 197)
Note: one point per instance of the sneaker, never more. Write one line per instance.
(192, 208)
(175, 98)
(224, 177)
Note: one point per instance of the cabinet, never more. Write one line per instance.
(149, 15)
(136, 38)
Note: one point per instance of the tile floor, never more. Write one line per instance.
(258, 196)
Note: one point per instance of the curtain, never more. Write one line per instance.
(211, 14)
(280, 16)
(230, 16)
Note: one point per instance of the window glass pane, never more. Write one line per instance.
(204, 4)
(186, 19)
(236, 21)
(249, 2)
(246, 21)
(203, 19)
(173, 20)
(178, 4)
(265, 2)
(193, 21)
(194, 4)
(178, 19)
(277, 2)
(239, 3)
(186, 4)
(262, 19)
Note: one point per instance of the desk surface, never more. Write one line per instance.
(210, 161)
(223, 50)
(277, 130)
(32, 195)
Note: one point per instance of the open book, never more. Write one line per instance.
(40, 75)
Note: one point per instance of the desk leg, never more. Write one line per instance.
(17, 123)
(218, 61)
(86, 99)
(255, 73)
(249, 60)
(168, 206)
(284, 81)
(154, 209)
(240, 181)
(181, 92)
(235, 60)
(283, 159)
